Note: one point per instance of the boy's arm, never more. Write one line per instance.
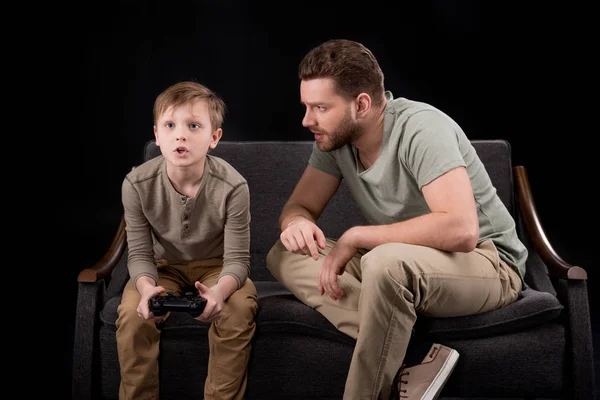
(236, 254)
(140, 261)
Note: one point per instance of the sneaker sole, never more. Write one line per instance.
(442, 376)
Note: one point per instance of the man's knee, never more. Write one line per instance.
(391, 260)
(274, 258)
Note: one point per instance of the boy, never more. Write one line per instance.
(187, 220)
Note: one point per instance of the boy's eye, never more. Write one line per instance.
(169, 125)
(194, 126)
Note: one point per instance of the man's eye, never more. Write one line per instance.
(321, 108)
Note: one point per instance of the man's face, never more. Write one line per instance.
(328, 115)
(185, 134)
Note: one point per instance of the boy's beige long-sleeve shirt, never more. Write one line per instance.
(162, 224)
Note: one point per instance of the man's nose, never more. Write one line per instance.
(308, 119)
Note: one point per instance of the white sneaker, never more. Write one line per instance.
(426, 380)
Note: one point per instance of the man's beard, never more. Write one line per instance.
(345, 133)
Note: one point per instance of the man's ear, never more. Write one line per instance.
(216, 136)
(363, 104)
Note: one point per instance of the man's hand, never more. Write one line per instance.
(147, 292)
(214, 302)
(334, 264)
(302, 236)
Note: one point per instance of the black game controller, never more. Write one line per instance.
(188, 301)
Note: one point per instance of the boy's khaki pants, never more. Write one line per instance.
(385, 288)
(229, 339)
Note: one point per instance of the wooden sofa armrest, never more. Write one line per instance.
(107, 263)
(556, 265)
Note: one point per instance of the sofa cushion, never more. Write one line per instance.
(280, 311)
(263, 288)
(496, 155)
(257, 161)
(533, 308)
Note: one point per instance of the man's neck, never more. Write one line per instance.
(369, 143)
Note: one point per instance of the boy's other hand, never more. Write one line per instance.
(214, 302)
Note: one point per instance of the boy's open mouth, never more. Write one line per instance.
(181, 150)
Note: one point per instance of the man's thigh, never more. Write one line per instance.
(445, 284)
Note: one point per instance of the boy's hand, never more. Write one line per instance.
(214, 302)
(147, 292)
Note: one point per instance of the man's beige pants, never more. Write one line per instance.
(385, 288)
(229, 339)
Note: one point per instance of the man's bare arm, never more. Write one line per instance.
(452, 224)
(310, 196)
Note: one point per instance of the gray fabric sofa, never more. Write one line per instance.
(538, 347)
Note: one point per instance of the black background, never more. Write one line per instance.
(520, 71)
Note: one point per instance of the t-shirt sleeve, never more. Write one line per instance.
(324, 161)
(140, 258)
(430, 146)
(236, 252)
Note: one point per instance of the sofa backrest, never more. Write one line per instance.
(272, 169)
(496, 156)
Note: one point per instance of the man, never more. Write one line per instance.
(439, 241)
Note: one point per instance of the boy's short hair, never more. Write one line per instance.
(187, 93)
(352, 66)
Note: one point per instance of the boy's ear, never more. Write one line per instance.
(156, 136)
(216, 136)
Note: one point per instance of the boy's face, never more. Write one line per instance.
(185, 134)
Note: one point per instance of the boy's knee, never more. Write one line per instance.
(244, 301)
(240, 310)
(127, 316)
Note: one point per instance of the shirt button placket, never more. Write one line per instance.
(185, 232)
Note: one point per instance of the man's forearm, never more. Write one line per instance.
(291, 211)
(438, 230)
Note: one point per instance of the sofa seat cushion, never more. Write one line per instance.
(279, 311)
(531, 309)
(264, 289)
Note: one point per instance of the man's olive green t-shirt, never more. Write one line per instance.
(421, 143)
(162, 224)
